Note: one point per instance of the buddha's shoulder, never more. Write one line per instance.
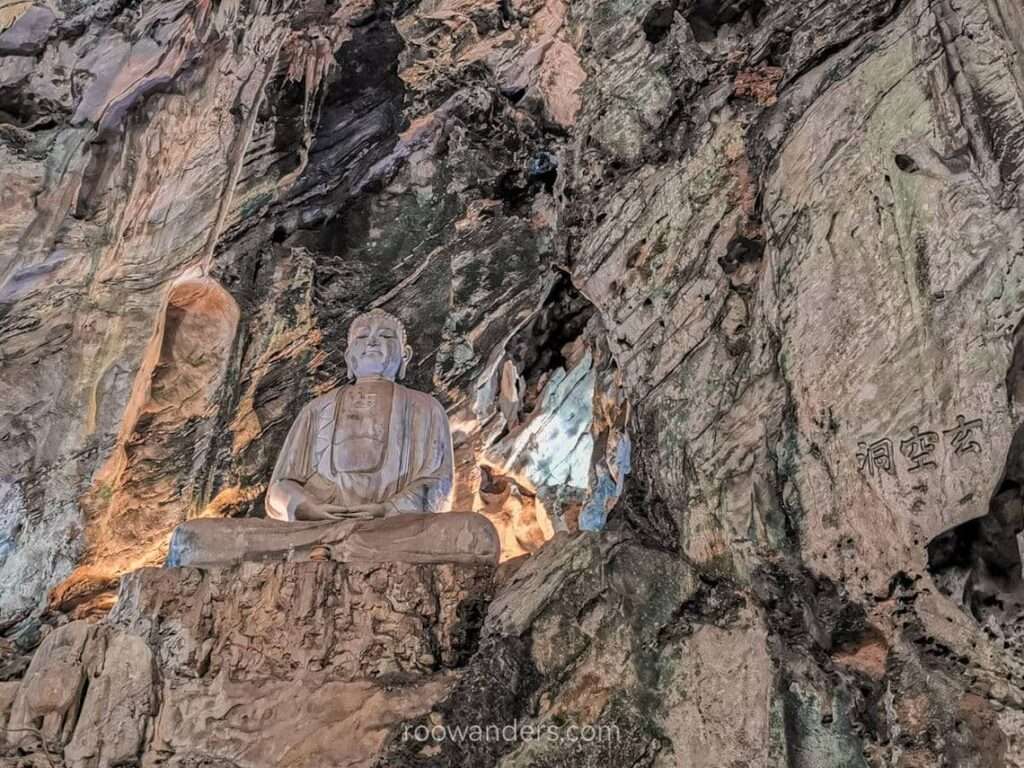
(423, 400)
(324, 402)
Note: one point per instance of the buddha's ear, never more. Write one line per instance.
(349, 369)
(406, 357)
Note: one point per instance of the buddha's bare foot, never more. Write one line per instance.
(320, 552)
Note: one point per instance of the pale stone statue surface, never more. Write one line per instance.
(361, 473)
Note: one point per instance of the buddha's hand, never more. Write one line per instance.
(364, 511)
(316, 511)
(347, 512)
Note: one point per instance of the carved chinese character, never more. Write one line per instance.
(962, 434)
(878, 456)
(918, 447)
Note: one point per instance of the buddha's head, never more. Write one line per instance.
(377, 346)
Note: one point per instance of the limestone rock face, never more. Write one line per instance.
(736, 287)
(356, 621)
(294, 663)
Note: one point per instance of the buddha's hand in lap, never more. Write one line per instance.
(350, 512)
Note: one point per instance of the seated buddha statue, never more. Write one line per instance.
(365, 475)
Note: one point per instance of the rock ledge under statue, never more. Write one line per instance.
(324, 656)
(451, 537)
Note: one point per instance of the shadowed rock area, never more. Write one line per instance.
(724, 303)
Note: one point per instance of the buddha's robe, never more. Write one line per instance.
(375, 442)
(368, 443)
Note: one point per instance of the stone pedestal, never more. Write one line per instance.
(299, 664)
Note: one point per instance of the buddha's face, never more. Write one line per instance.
(375, 348)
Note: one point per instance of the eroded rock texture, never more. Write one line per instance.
(767, 254)
(291, 664)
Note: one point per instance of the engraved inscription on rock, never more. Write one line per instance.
(919, 449)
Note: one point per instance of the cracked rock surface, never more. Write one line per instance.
(724, 300)
(284, 664)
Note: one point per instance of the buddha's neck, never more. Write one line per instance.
(374, 379)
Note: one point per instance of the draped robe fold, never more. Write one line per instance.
(406, 461)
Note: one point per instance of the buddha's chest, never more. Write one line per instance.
(362, 427)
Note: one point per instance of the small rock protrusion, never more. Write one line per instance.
(543, 168)
(514, 93)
